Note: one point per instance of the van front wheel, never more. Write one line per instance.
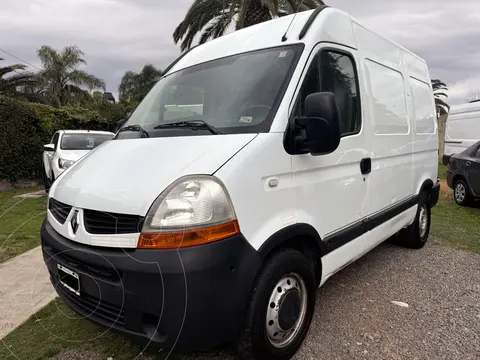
(281, 307)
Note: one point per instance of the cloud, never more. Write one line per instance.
(445, 33)
(115, 35)
(120, 35)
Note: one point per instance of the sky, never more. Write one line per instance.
(121, 35)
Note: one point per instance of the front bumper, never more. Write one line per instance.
(193, 298)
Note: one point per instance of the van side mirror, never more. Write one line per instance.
(49, 147)
(318, 132)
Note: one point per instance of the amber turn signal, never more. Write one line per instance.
(182, 239)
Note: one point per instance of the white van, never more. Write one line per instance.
(462, 129)
(303, 149)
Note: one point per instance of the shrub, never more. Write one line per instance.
(70, 117)
(22, 135)
(109, 112)
(26, 127)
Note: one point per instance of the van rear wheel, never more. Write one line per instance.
(281, 308)
(415, 236)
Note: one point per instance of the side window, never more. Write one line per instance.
(338, 75)
(311, 85)
(477, 155)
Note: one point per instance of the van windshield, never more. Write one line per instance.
(236, 94)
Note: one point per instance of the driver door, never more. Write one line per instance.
(48, 156)
(331, 189)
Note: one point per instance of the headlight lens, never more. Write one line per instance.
(192, 202)
(65, 164)
(193, 210)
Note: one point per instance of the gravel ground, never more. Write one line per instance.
(356, 319)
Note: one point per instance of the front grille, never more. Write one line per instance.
(98, 222)
(59, 210)
(92, 307)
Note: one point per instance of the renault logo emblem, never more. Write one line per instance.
(74, 221)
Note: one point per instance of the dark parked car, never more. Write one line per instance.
(463, 174)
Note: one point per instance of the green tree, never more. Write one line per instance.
(135, 86)
(14, 80)
(211, 18)
(439, 92)
(439, 88)
(61, 78)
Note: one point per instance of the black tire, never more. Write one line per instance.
(415, 236)
(47, 183)
(461, 193)
(254, 342)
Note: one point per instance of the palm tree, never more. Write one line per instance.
(211, 18)
(439, 88)
(135, 86)
(61, 78)
(14, 80)
(439, 92)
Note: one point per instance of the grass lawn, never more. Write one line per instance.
(442, 171)
(20, 221)
(455, 225)
(55, 331)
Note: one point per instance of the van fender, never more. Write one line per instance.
(295, 231)
(432, 189)
(302, 237)
(426, 185)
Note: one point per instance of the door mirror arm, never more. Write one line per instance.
(300, 136)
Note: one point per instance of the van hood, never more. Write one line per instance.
(126, 176)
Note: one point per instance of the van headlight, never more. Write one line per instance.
(194, 210)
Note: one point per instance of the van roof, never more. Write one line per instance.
(336, 26)
(464, 108)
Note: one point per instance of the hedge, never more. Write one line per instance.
(22, 135)
(26, 127)
(69, 117)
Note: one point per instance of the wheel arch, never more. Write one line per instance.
(458, 177)
(462, 177)
(302, 237)
(427, 185)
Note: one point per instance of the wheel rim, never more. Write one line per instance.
(460, 192)
(423, 221)
(286, 310)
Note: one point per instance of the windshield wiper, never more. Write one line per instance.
(138, 128)
(192, 124)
